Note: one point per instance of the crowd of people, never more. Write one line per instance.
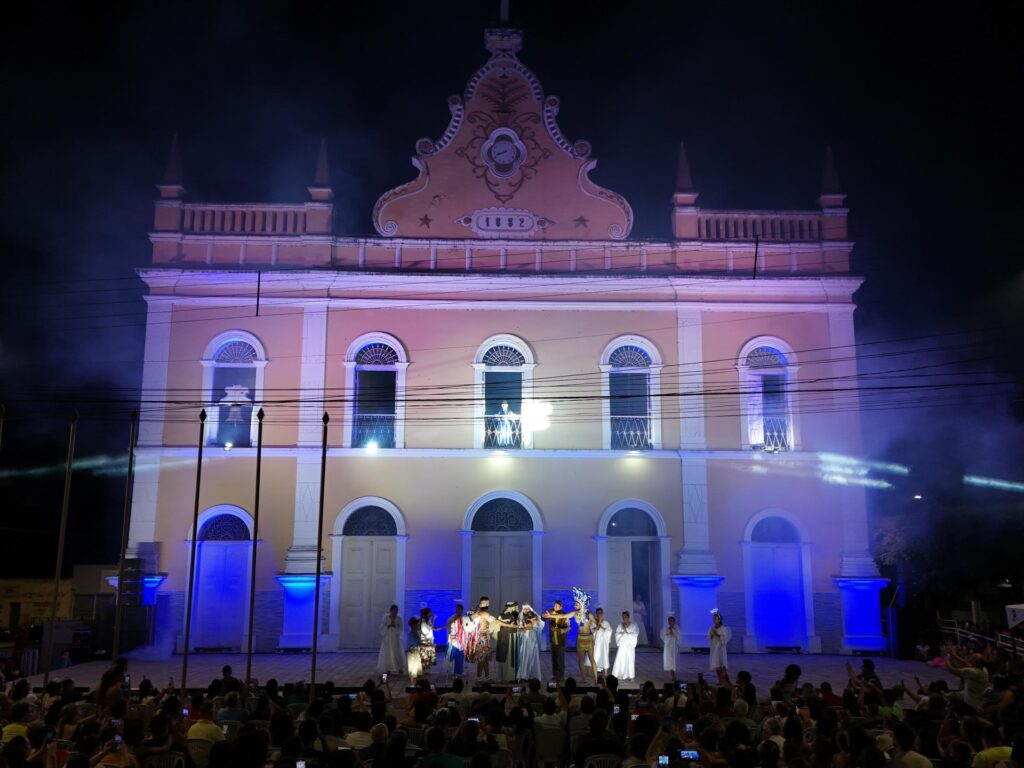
(719, 722)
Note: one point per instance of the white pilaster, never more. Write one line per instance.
(302, 554)
(691, 379)
(146, 483)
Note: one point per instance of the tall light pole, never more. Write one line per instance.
(48, 645)
(255, 541)
(126, 519)
(189, 587)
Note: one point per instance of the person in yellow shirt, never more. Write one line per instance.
(993, 752)
(206, 727)
(20, 715)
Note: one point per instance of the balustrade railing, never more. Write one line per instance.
(739, 225)
(203, 218)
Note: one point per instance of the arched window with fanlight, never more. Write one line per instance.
(767, 372)
(233, 371)
(504, 382)
(631, 369)
(375, 374)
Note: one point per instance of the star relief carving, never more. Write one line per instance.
(425, 220)
(581, 221)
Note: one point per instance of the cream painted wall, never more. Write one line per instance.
(725, 333)
(227, 479)
(279, 330)
(736, 493)
(567, 346)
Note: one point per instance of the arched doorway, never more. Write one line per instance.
(220, 600)
(632, 557)
(778, 584)
(369, 556)
(503, 557)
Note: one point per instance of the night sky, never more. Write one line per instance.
(917, 104)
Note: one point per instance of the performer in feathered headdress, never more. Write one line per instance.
(584, 630)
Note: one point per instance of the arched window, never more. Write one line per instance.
(632, 375)
(632, 522)
(233, 368)
(504, 366)
(503, 515)
(775, 530)
(224, 528)
(375, 372)
(370, 521)
(766, 374)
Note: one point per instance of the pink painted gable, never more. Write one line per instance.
(503, 169)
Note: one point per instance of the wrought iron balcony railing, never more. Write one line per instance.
(776, 435)
(631, 433)
(375, 428)
(503, 431)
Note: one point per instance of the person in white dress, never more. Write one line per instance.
(640, 620)
(602, 642)
(528, 645)
(718, 638)
(670, 647)
(626, 635)
(392, 651)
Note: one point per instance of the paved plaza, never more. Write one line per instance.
(353, 668)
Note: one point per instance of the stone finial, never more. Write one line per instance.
(172, 185)
(832, 195)
(320, 190)
(684, 183)
(322, 176)
(685, 194)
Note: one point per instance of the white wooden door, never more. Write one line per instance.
(502, 568)
(776, 580)
(221, 598)
(367, 589)
(516, 569)
(620, 581)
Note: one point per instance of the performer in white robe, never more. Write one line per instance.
(670, 647)
(626, 635)
(718, 638)
(640, 621)
(528, 646)
(602, 642)
(392, 651)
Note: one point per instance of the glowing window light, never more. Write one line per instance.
(536, 415)
(228, 446)
(371, 447)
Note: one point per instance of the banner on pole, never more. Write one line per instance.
(1014, 615)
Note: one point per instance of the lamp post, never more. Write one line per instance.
(125, 524)
(190, 588)
(48, 645)
(255, 540)
(319, 566)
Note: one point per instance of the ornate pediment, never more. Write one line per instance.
(503, 169)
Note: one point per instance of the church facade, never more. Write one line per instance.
(520, 399)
